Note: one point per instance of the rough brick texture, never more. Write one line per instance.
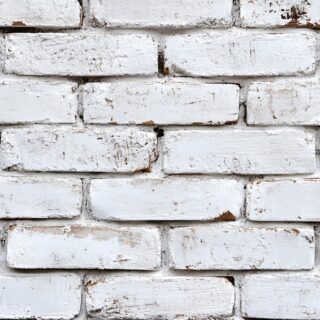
(165, 13)
(36, 101)
(157, 199)
(284, 102)
(80, 54)
(39, 198)
(40, 296)
(159, 159)
(40, 13)
(288, 296)
(99, 150)
(284, 13)
(83, 247)
(241, 248)
(240, 54)
(242, 151)
(161, 103)
(159, 298)
(284, 200)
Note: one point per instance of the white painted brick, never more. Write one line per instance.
(36, 101)
(81, 54)
(272, 151)
(241, 248)
(2, 52)
(281, 296)
(53, 296)
(40, 13)
(159, 298)
(273, 13)
(284, 200)
(78, 149)
(240, 54)
(284, 102)
(158, 199)
(39, 198)
(83, 247)
(160, 102)
(165, 13)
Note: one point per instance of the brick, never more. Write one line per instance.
(81, 54)
(283, 200)
(240, 54)
(272, 13)
(40, 13)
(166, 13)
(157, 199)
(83, 247)
(36, 101)
(284, 102)
(287, 296)
(39, 198)
(2, 52)
(159, 298)
(272, 151)
(53, 296)
(161, 102)
(78, 149)
(241, 248)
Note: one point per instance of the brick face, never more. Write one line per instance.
(167, 13)
(166, 297)
(98, 150)
(40, 296)
(284, 102)
(79, 247)
(156, 199)
(39, 198)
(241, 248)
(244, 54)
(159, 159)
(287, 13)
(75, 54)
(161, 102)
(283, 294)
(40, 13)
(30, 101)
(238, 153)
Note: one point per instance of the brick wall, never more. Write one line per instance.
(159, 159)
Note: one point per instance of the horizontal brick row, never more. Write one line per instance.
(281, 151)
(278, 102)
(164, 14)
(230, 247)
(203, 54)
(58, 296)
(155, 199)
